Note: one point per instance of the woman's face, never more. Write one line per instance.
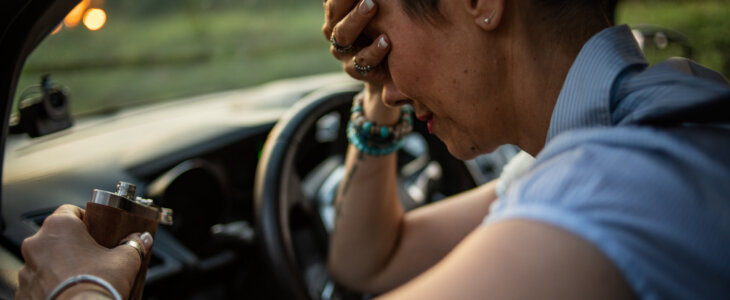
(448, 72)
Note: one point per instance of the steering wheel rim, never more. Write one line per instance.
(273, 190)
(273, 169)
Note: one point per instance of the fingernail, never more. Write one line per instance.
(366, 6)
(146, 238)
(382, 43)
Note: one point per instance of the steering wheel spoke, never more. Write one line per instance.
(295, 195)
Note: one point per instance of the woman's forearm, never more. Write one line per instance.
(368, 211)
(368, 217)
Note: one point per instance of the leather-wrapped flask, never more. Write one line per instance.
(112, 216)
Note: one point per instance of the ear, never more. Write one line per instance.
(487, 14)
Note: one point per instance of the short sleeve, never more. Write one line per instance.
(635, 195)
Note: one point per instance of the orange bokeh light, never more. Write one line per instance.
(74, 17)
(58, 28)
(94, 19)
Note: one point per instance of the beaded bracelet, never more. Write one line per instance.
(381, 133)
(365, 147)
(373, 139)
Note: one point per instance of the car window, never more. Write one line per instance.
(112, 54)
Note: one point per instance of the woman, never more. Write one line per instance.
(612, 207)
(486, 73)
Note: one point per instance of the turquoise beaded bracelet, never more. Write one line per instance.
(373, 139)
(366, 147)
(381, 133)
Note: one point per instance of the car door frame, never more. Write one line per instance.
(23, 25)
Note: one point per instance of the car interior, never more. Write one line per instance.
(250, 174)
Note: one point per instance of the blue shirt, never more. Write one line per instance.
(653, 198)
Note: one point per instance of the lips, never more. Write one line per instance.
(429, 121)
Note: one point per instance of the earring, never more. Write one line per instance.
(489, 19)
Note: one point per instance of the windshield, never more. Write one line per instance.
(112, 54)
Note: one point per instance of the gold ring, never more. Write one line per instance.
(137, 246)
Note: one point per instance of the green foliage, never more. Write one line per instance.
(706, 24)
(168, 54)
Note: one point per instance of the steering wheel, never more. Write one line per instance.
(297, 178)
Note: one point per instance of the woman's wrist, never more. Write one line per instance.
(373, 137)
(374, 109)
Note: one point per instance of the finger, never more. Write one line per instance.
(21, 295)
(66, 220)
(147, 241)
(68, 209)
(26, 249)
(372, 56)
(349, 29)
(26, 286)
(132, 250)
(334, 11)
(24, 277)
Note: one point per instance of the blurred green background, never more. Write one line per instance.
(705, 24)
(152, 51)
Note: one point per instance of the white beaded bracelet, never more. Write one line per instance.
(83, 278)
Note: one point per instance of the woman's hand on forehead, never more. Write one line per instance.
(334, 11)
(358, 45)
(347, 27)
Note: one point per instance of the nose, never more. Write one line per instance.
(392, 96)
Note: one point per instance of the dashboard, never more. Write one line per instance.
(198, 157)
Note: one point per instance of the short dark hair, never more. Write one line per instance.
(569, 22)
(425, 10)
(576, 9)
(428, 10)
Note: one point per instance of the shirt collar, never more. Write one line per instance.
(585, 98)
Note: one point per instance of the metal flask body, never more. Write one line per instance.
(112, 216)
(124, 198)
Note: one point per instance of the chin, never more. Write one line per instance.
(469, 151)
(463, 152)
